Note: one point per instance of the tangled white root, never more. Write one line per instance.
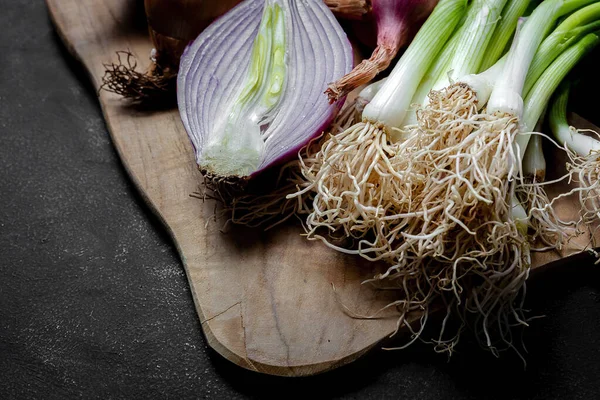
(547, 231)
(350, 178)
(481, 258)
(436, 206)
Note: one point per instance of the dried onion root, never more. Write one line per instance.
(263, 202)
(481, 255)
(269, 207)
(121, 77)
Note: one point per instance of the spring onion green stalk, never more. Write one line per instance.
(571, 30)
(442, 61)
(541, 92)
(437, 69)
(504, 31)
(564, 133)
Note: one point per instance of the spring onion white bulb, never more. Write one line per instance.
(566, 134)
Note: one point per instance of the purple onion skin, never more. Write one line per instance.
(398, 20)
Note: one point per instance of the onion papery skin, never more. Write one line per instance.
(214, 66)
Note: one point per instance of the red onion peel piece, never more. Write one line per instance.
(397, 22)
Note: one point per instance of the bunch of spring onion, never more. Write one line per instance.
(437, 200)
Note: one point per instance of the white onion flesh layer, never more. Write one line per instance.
(250, 87)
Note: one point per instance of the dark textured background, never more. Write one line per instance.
(94, 301)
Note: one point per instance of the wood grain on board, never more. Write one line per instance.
(265, 300)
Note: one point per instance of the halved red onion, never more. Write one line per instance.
(215, 67)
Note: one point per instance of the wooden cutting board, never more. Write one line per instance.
(265, 300)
